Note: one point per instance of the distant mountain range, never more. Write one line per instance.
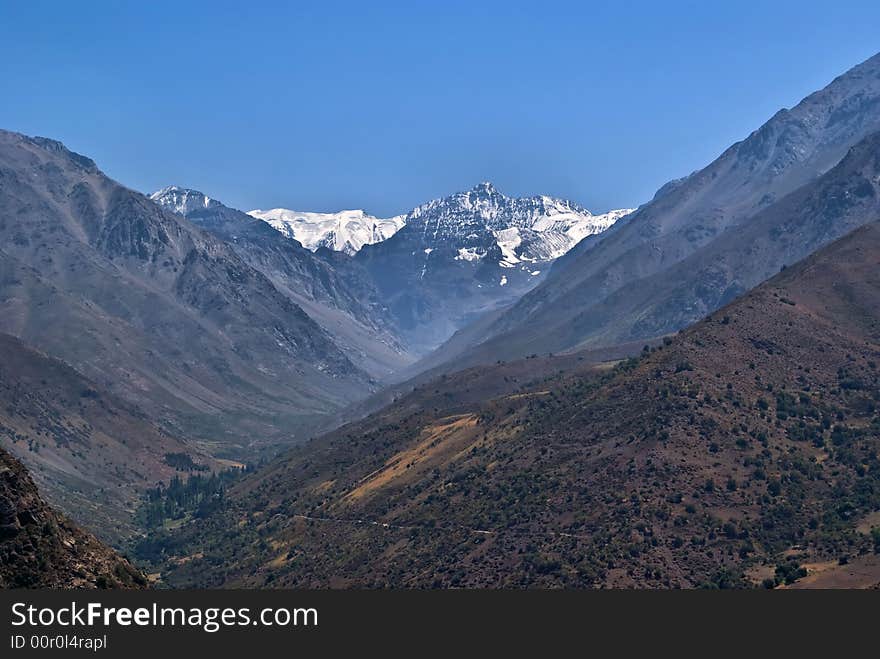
(432, 270)
(544, 233)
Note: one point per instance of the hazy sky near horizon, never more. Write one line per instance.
(385, 105)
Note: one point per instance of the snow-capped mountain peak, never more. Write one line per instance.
(183, 201)
(527, 229)
(344, 231)
(472, 252)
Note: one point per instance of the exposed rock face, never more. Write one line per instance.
(41, 549)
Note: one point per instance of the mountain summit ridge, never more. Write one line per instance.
(183, 200)
(343, 231)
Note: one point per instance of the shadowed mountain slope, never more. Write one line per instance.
(156, 310)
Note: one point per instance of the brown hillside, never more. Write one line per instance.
(41, 549)
(741, 451)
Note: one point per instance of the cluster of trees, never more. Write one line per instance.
(199, 495)
(786, 573)
(183, 462)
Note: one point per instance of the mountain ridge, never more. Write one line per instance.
(329, 286)
(163, 314)
(791, 150)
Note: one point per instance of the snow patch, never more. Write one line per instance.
(508, 240)
(469, 254)
(182, 201)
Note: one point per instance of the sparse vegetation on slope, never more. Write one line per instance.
(736, 453)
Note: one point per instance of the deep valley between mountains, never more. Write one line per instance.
(484, 391)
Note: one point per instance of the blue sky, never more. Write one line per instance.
(384, 105)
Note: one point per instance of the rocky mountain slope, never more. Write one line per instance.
(741, 452)
(459, 257)
(335, 291)
(588, 297)
(41, 549)
(154, 309)
(91, 453)
(345, 231)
